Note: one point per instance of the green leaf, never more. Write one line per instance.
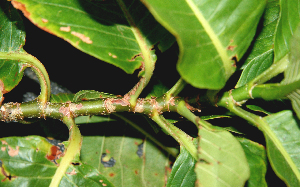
(120, 32)
(292, 73)
(282, 146)
(92, 119)
(218, 32)
(26, 161)
(12, 39)
(262, 54)
(221, 160)
(126, 160)
(287, 25)
(183, 173)
(257, 109)
(90, 95)
(84, 175)
(257, 160)
(61, 98)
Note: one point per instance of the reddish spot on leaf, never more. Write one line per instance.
(107, 151)
(55, 154)
(136, 172)
(44, 20)
(111, 174)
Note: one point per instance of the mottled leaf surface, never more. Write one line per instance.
(120, 32)
(27, 161)
(126, 160)
(221, 160)
(211, 35)
(284, 154)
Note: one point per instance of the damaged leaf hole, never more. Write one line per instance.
(106, 161)
(140, 151)
(7, 176)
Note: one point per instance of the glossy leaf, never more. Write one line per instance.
(287, 25)
(211, 35)
(126, 160)
(120, 32)
(283, 150)
(262, 54)
(257, 160)
(29, 161)
(183, 173)
(12, 39)
(221, 160)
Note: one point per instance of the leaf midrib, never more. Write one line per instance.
(214, 38)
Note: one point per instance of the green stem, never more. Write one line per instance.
(185, 112)
(181, 137)
(262, 125)
(149, 58)
(72, 149)
(134, 125)
(37, 67)
(176, 89)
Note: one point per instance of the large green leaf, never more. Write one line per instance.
(262, 54)
(12, 39)
(121, 32)
(288, 22)
(283, 146)
(183, 174)
(29, 161)
(125, 159)
(212, 35)
(292, 73)
(257, 159)
(221, 160)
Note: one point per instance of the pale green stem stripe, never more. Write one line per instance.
(38, 68)
(214, 38)
(72, 149)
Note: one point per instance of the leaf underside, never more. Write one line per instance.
(100, 28)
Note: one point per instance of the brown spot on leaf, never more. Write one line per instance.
(55, 154)
(65, 29)
(13, 152)
(136, 172)
(21, 7)
(3, 148)
(231, 47)
(111, 174)
(235, 60)
(82, 37)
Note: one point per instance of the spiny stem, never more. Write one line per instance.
(72, 149)
(37, 67)
(181, 137)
